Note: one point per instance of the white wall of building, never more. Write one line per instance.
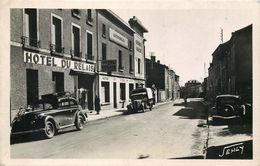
(139, 54)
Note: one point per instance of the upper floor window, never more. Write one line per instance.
(89, 16)
(131, 63)
(76, 13)
(120, 64)
(139, 66)
(104, 51)
(89, 47)
(130, 46)
(75, 36)
(56, 34)
(103, 30)
(30, 28)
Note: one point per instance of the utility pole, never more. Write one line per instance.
(221, 35)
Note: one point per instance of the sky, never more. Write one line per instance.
(185, 39)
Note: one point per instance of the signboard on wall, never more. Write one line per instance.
(108, 65)
(118, 38)
(40, 59)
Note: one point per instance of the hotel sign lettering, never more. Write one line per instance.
(118, 38)
(45, 60)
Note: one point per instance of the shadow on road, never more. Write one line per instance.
(192, 110)
(179, 104)
(190, 157)
(37, 136)
(236, 129)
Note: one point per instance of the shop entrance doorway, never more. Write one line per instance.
(86, 82)
(32, 86)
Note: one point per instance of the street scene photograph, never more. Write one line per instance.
(110, 83)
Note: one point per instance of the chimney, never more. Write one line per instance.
(153, 58)
(158, 61)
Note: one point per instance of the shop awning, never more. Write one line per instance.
(77, 72)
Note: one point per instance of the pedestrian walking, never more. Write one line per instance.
(97, 104)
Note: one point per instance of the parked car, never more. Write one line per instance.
(140, 100)
(49, 114)
(230, 108)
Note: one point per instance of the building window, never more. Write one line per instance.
(131, 87)
(104, 51)
(89, 47)
(75, 41)
(130, 45)
(56, 34)
(76, 13)
(103, 30)
(31, 28)
(105, 92)
(139, 66)
(89, 16)
(122, 91)
(58, 80)
(120, 65)
(131, 64)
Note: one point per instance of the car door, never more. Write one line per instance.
(65, 113)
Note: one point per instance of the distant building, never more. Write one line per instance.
(192, 89)
(162, 78)
(176, 90)
(230, 71)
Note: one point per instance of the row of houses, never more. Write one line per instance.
(192, 89)
(162, 79)
(230, 71)
(76, 50)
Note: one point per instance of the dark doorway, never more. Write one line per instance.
(32, 86)
(58, 79)
(114, 94)
(86, 82)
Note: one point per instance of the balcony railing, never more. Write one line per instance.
(90, 20)
(75, 53)
(56, 49)
(26, 41)
(121, 68)
(131, 71)
(89, 56)
(76, 13)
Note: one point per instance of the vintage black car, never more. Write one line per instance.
(141, 99)
(231, 108)
(48, 115)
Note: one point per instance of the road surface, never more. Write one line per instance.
(168, 131)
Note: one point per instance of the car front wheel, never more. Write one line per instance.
(79, 122)
(49, 129)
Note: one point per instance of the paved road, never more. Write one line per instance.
(169, 131)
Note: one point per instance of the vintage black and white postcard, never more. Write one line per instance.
(129, 83)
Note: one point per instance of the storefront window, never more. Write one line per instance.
(105, 91)
(122, 91)
(131, 87)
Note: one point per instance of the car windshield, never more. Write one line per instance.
(227, 100)
(138, 96)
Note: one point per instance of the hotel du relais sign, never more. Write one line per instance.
(118, 38)
(40, 59)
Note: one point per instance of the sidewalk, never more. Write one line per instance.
(222, 137)
(104, 114)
